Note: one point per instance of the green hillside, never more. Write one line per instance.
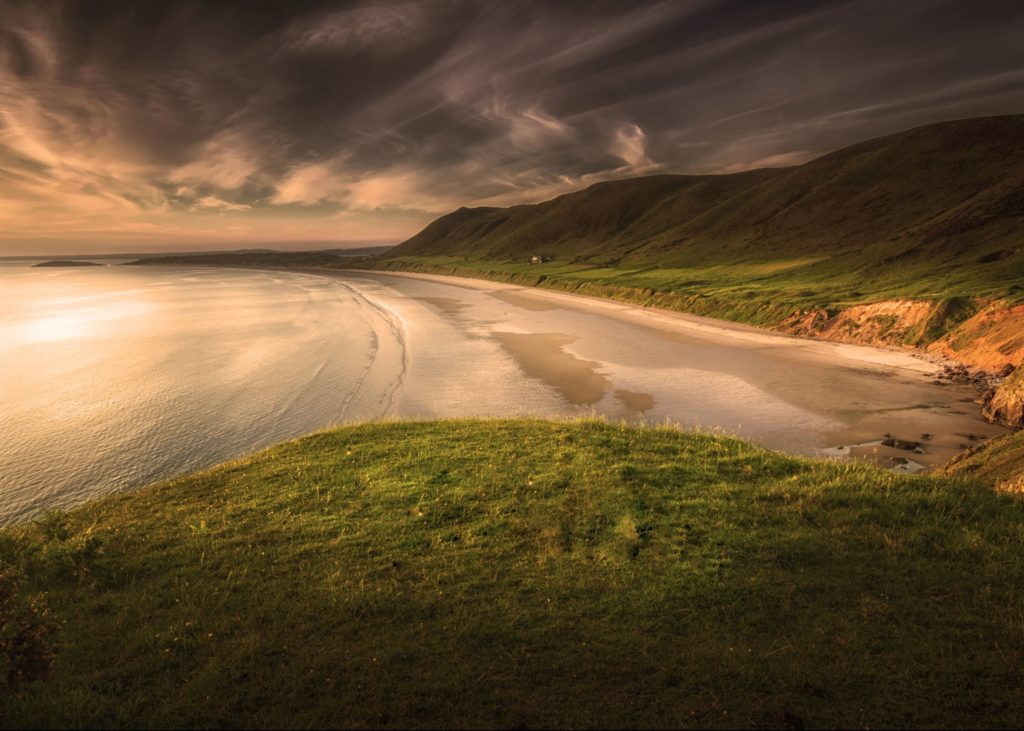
(946, 201)
(525, 573)
(935, 214)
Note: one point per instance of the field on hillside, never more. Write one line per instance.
(529, 573)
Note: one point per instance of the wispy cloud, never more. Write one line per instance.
(212, 202)
(308, 184)
(189, 122)
(357, 28)
(628, 145)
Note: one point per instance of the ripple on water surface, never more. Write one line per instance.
(114, 377)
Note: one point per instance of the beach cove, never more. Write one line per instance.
(246, 358)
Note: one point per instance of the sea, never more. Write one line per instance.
(116, 376)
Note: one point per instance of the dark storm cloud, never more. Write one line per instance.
(193, 118)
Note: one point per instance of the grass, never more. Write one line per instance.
(523, 573)
(999, 461)
(731, 292)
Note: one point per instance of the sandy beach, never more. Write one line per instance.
(582, 355)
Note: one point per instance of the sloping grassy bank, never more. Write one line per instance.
(673, 289)
(530, 573)
(999, 462)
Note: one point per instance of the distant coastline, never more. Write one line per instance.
(67, 263)
(332, 258)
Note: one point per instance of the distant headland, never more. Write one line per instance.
(67, 263)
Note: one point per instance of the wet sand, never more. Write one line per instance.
(485, 348)
(543, 356)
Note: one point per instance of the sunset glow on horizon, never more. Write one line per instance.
(134, 127)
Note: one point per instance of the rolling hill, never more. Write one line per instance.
(523, 574)
(940, 197)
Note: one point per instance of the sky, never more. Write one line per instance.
(165, 126)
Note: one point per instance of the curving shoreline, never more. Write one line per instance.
(803, 396)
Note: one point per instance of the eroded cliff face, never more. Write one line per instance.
(889, 323)
(990, 340)
(984, 335)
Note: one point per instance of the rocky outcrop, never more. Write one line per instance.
(1005, 404)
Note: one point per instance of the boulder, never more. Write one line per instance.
(901, 444)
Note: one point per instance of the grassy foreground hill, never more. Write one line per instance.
(913, 239)
(530, 573)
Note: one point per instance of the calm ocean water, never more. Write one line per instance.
(113, 377)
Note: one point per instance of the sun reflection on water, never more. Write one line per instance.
(56, 327)
(81, 322)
